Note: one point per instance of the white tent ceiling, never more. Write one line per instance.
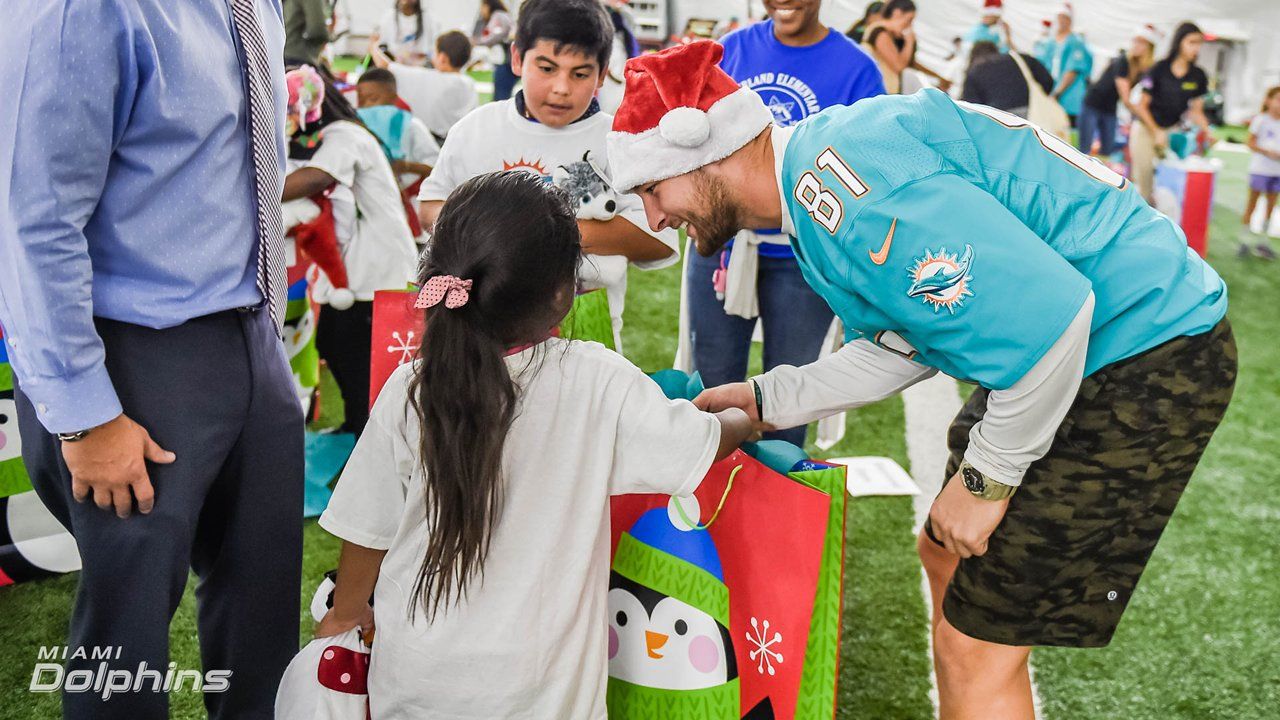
(1253, 25)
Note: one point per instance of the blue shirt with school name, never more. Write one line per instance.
(796, 82)
(967, 239)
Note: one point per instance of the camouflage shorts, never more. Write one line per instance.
(1062, 565)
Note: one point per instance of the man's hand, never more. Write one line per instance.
(734, 395)
(963, 522)
(110, 463)
(333, 624)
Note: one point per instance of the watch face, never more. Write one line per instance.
(973, 480)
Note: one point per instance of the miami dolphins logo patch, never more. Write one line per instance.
(942, 279)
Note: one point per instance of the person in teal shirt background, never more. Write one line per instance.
(992, 28)
(958, 238)
(1067, 56)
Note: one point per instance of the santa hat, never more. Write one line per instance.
(1150, 34)
(1066, 9)
(992, 8)
(680, 111)
(677, 562)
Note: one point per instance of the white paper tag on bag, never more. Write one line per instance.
(876, 476)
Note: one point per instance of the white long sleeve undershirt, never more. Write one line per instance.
(1020, 421)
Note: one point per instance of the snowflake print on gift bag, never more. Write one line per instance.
(718, 608)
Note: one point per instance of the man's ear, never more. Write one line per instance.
(517, 61)
(604, 73)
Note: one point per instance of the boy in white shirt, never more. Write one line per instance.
(413, 150)
(439, 96)
(554, 128)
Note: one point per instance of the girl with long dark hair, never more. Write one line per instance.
(1173, 89)
(408, 32)
(337, 151)
(891, 40)
(475, 506)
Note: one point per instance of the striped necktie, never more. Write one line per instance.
(262, 144)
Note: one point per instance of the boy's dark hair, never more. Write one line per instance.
(515, 237)
(981, 52)
(381, 76)
(581, 25)
(456, 46)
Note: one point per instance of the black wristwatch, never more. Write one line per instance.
(982, 486)
(74, 436)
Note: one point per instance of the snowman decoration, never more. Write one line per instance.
(670, 653)
(595, 199)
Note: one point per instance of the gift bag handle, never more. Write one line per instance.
(723, 496)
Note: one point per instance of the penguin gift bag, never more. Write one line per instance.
(726, 604)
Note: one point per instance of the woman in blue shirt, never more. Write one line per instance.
(798, 66)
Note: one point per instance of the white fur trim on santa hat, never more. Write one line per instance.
(660, 152)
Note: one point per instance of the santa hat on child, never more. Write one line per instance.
(1066, 9)
(992, 8)
(679, 112)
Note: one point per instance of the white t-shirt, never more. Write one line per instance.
(379, 252)
(496, 137)
(1267, 130)
(420, 147)
(530, 641)
(400, 34)
(439, 99)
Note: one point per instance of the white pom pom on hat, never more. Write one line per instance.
(685, 126)
(341, 299)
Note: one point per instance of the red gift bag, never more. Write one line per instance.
(397, 329)
(755, 547)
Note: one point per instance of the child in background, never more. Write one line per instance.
(377, 245)
(476, 505)
(438, 96)
(1264, 175)
(408, 142)
(562, 50)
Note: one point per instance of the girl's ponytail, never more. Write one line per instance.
(500, 273)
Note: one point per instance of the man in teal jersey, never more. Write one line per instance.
(1067, 56)
(956, 238)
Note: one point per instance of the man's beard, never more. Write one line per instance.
(721, 219)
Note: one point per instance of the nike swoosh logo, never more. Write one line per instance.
(880, 257)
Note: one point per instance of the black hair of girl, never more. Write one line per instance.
(516, 238)
(494, 5)
(1185, 29)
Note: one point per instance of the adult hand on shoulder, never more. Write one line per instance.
(963, 522)
(109, 464)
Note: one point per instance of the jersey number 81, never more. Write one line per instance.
(823, 205)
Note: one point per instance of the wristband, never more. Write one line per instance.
(759, 399)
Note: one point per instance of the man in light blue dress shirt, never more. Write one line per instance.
(156, 405)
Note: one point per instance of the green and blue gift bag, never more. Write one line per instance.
(726, 604)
